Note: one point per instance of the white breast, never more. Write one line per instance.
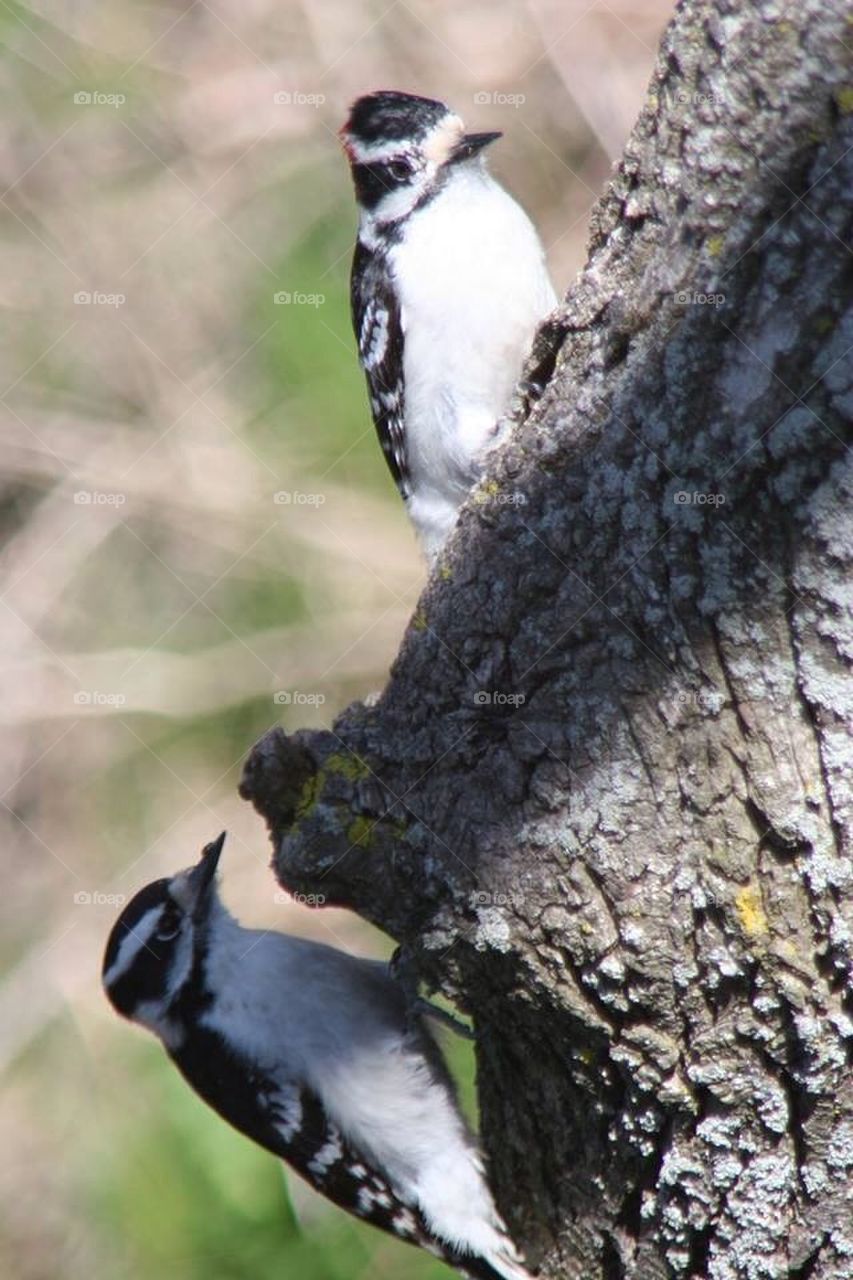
(473, 287)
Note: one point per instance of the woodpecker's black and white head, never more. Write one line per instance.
(157, 947)
(402, 150)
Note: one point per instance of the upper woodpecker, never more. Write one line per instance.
(448, 285)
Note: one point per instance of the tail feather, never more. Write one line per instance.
(502, 1262)
(504, 1266)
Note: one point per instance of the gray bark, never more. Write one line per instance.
(631, 861)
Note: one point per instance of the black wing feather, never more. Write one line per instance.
(378, 324)
(326, 1160)
(290, 1122)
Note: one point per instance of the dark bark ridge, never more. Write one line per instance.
(605, 798)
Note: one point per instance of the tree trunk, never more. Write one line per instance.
(605, 799)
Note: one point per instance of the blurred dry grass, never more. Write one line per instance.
(177, 165)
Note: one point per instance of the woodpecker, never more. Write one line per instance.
(448, 285)
(317, 1056)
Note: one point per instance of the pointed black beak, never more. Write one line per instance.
(470, 144)
(200, 879)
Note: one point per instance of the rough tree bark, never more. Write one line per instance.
(604, 801)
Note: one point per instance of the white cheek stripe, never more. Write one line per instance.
(437, 144)
(379, 151)
(132, 944)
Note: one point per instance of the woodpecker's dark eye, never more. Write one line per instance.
(399, 170)
(170, 923)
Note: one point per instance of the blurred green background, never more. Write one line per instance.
(201, 539)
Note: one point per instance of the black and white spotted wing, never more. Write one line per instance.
(378, 324)
(316, 1149)
(289, 1120)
